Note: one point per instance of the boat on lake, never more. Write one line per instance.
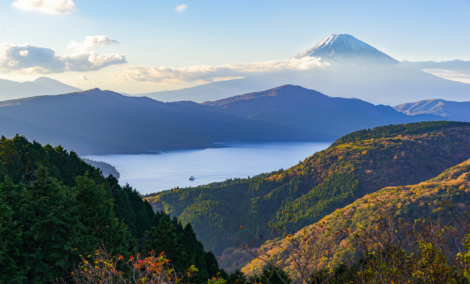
(192, 178)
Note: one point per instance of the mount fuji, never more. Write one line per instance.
(348, 50)
(356, 70)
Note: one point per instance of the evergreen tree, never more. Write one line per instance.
(54, 206)
(97, 216)
(10, 239)
(10, 160)
(211, 264)
(236, 277)
(194, 252)
(163, 238)
(49, 216)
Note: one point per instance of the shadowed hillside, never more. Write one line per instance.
(104, 122)
(311, 111)
(458, 111)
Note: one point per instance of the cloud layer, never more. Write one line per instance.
(455, 70)
(454, 65)
(209, 73)
(459, 76)
(46, 6)
(180, 8)
(91, 41)
(29, 59)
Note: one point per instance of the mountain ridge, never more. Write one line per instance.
(105, 122)
(11, 90)
(459, 111)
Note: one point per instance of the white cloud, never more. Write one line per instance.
(27, 59)
(209, 73)
(91, 41)
(459, 76)
(46, 6)
(180, 8)
(82, 78)
(91, 61)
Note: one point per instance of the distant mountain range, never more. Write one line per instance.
(10, 90)
(357, 70)
(104, 122)
(458, 111)
(311, 112)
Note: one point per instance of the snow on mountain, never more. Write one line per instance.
(346, 49)
(357, 70)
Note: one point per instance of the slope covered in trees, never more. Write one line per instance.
(360, 218)
(106, 168)
(319, 185)
(55, 207)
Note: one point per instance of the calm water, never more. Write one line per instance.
(155, 172)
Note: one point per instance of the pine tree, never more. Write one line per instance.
(163, 238)
(52, 230)
(236, 277)
(194, 251)
(211, 264)
(97, 216)
(10, 239)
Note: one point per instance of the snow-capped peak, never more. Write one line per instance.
(346, 49)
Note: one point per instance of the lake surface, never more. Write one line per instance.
(150, 173)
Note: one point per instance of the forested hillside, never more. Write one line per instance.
(410, 202)
(54, 207)
(320, 184)
(106, 168)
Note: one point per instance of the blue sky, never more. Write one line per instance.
(154, 33)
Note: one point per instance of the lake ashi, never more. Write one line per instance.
(150, 173)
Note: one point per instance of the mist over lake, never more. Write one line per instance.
(150, 173)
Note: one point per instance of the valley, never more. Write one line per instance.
(356, 165)
(234, 142)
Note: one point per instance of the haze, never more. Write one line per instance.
(122, 46)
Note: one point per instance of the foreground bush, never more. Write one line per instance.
(101, 267)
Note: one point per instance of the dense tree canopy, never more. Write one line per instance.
(55, 207)
(317, 186)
